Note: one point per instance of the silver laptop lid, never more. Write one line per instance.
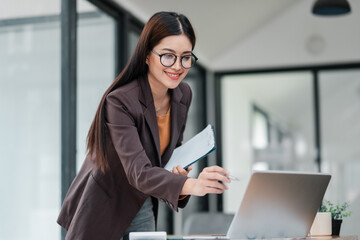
(279, 204)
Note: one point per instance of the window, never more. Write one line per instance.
(260, 129)
(267, 122)
(30, 127)
(96, 71)
(340, 137)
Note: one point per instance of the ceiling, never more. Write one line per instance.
(237, 35)
(248, 34)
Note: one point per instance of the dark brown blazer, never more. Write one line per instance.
(102, 206)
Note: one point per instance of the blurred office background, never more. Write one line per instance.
(280, 85)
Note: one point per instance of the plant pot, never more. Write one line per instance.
(336, 224)
(321, 225)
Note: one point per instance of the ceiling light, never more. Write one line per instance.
(331, 7)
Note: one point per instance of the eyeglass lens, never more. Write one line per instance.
(169, 59)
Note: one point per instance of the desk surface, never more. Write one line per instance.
(349, 237)
(212, 237)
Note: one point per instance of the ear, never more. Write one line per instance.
(147, 60)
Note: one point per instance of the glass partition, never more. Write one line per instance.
(340, 135)
(133, 37)
(30, 128)
(267, 123)
(96, 71)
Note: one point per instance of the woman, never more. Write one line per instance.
(140, 120)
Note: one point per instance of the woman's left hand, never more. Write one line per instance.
(180, 171)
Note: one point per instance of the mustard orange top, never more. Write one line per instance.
(164, 123)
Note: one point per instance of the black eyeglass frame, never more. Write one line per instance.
(181, 59)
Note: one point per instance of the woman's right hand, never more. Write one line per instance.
(209, 181)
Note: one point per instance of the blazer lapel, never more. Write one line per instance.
(178, 117)
(146, 98)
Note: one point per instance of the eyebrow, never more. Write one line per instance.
(171, 50)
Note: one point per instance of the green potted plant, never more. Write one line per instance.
(338, 212)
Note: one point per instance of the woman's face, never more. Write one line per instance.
(162, 77)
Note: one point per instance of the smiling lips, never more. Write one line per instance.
(173, 76)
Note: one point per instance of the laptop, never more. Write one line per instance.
(277, 204)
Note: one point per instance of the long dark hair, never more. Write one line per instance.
(159, 26)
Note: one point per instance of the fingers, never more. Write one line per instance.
(213, 182)
(180, 171)
(219, 175)
(204, 186)
(213, 178)
(210, 180)
(215, 190)
(207, 182)
(174, 170)
(216, 169)
(217, 185)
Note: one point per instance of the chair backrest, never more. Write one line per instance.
(207, 223)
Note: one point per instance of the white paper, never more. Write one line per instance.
(193, 150)
(147, 236)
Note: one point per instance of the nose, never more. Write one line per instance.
(177, 65)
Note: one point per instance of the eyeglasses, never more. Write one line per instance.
(169, 59)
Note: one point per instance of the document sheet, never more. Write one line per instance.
(193, 150)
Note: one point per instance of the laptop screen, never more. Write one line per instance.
(279, 204)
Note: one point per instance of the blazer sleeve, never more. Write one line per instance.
(140, 173)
